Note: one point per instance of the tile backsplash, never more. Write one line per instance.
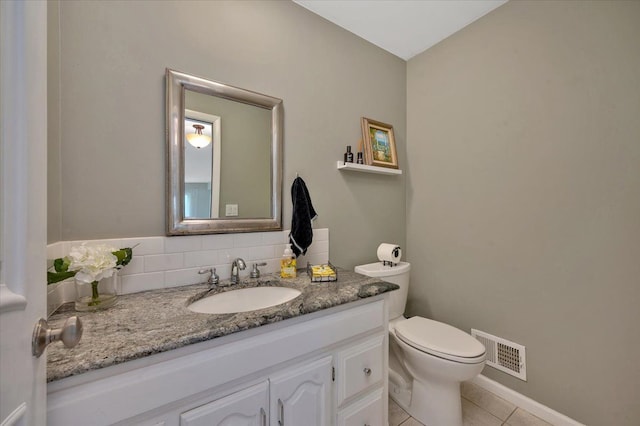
(162, 262)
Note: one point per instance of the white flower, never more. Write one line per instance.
(92, 263)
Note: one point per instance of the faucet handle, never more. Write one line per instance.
(214, 279)
(255, 272)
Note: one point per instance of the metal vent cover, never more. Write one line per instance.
(502, 354)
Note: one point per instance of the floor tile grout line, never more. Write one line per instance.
(409, 418)
(509, 416)
(489, 412)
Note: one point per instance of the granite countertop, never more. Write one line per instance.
(156, 321)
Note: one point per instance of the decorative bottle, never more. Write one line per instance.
(348, 156)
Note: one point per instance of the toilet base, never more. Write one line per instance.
(400, 394)
(436, 404)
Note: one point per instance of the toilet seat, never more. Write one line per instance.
(441, 340)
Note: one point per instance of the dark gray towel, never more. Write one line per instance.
(303, 213)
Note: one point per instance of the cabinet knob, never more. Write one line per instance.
(367, 371)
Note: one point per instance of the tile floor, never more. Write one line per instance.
(479, 408)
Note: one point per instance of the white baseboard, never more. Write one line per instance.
(526, 403)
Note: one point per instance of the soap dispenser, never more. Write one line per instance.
(288, 263)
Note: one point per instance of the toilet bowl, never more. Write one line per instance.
(427, 359)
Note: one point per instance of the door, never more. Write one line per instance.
(23, 207)
(302, 395)
(247, 407)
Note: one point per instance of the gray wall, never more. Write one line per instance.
(524, 196)
(113, 55)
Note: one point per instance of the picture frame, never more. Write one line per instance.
(379, 144)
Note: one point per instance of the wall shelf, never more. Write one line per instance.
(367, 169)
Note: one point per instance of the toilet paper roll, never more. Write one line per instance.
(389, 253)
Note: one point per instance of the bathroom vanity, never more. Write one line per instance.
(319, 359)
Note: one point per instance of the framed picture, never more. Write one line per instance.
(379, 144)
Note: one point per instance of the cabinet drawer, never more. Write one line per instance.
(360, 367)
(367, 411)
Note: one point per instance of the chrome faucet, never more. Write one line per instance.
(237, 266)
(214, 279)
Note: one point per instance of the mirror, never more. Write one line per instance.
(224, 168)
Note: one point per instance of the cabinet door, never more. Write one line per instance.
(248, 407)
(302, 395)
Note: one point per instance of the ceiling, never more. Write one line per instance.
(402, 27)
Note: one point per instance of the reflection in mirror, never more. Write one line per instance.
(201, 165)
(231, 181)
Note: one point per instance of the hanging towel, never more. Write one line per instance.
(303, 214)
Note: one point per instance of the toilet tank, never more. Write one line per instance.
(398, 274)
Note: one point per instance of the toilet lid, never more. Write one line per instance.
(438, 338)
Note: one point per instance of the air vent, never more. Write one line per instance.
(502, 354)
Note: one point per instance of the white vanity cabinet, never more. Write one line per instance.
(321, 369)
(248, 407)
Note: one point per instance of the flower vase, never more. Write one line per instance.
(96, 295)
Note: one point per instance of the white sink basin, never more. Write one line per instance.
(243, 300)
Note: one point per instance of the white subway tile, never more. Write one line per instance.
(321, 234)
(145, 245)
(136, 266)
(273, 266)
(228, 255)
(116, 243)
(182, 244)
(68, 288)
(260, 253)
(278, 250)
(66, 247)
(317, 258)
(275, 251)
(220, 241)
(318, 247)
(301, 261)
(163, 262)
(180, 277)
(142, 282)
(56, 250)
(224, 271)
(248, 254)
(273, 238)
(251, 239)
(200, 258)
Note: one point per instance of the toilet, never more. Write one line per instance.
(427, 359)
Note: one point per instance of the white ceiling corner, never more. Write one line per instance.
(404, 28)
